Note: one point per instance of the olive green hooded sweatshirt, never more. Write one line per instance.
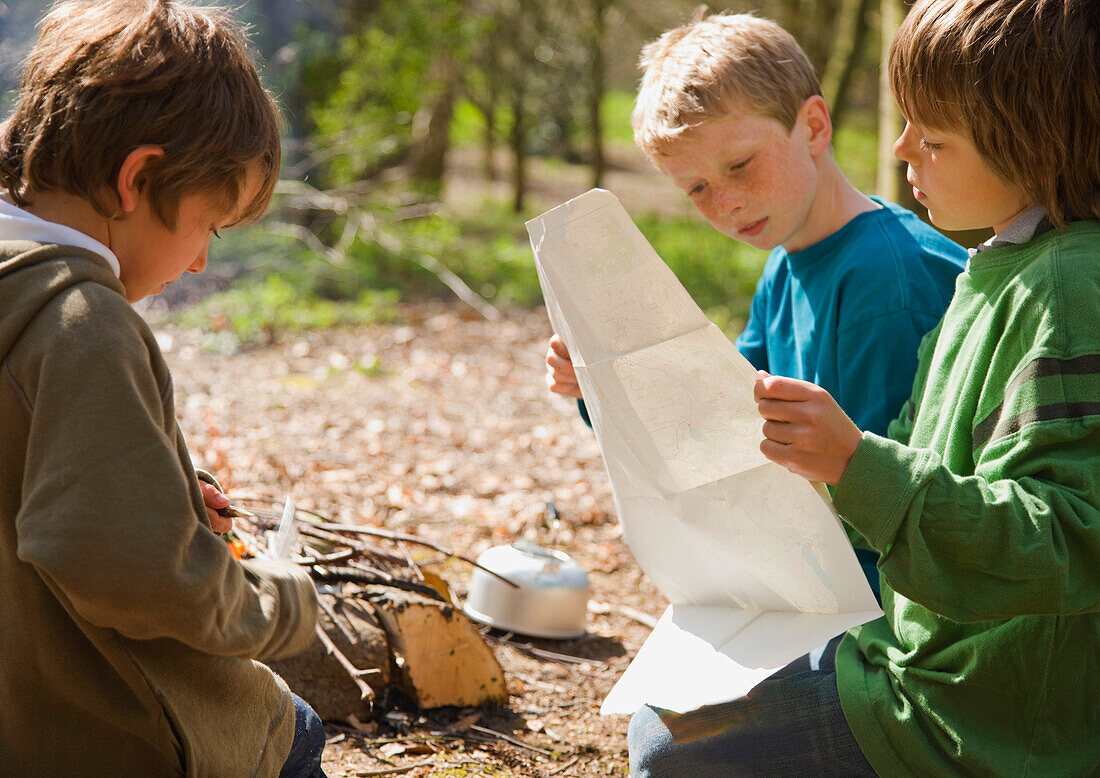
(128, 633)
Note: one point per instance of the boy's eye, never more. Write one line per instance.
(696, 189)
(741, 164)
(929, 146)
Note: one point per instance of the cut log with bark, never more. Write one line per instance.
(440, 657)
(384, 623)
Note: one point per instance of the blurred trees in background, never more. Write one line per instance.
(370, 87)
(377, 81)
(376, 93)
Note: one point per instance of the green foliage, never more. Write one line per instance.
(856, 149)
(719, 272)
(366, 93)
(268, 308)
(615, 109)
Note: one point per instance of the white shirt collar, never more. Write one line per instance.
(17, 224)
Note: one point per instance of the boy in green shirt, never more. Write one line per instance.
(129, 635)
(984, 501)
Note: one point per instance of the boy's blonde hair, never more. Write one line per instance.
(108, 76)
(703, 70)
(1022, 79)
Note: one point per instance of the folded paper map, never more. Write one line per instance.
(753, 559)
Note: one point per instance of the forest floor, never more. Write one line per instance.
(437, 424)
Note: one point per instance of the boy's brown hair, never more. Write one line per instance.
(702, 70)
(1022, 79)
(108, 76)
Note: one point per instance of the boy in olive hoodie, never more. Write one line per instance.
(129, 633)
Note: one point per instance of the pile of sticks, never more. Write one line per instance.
(386, 620)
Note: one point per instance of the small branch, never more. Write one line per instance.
(365, 691)
(544, 654)
(398, 537)
(333, 574)
(412, 562)
(565, 766)
(512, 740)
(322, 603)
(397, 770)
(637, 615)
(327, 559)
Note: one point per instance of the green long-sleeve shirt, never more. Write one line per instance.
(986, 509)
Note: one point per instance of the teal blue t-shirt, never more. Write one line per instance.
(849, 312)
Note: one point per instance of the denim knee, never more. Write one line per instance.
(651, 746)
(304, 760)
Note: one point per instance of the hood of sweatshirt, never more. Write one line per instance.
(37, 262)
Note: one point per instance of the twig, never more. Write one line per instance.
(327, 559)
(543, 653)
(323, 534)
(412, 562)
(565, 766)
(333, 574)
(365, 691)
(365, 568)
(397, 770)
(331, 613)
(397, 536)
(512, 740)
(637, 615)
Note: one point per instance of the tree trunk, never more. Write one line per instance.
(432, 131)
(597, 88)
(851, 37)
(519, 146)
(889, 121)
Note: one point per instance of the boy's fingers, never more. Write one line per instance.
(780, 388)
(560, 363)
(218, 523)
(780, 432)
(557, 345)
(778, 410)
(212, 497)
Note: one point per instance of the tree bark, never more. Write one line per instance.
(519, 146)
(889, 120)
(847, 52)
(429, 156)
(597, 88)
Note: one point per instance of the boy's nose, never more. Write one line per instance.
(727, 199)
(904, 145)
(199, 264)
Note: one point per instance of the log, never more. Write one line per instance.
(439, 656)
(318, 677)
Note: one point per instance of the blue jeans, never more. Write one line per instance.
(790, 724)
(304, 760)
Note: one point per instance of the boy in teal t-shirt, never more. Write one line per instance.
(731, 110)
(984, 500)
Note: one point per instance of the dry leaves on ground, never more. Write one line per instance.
(438, 425)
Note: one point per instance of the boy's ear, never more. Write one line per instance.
(133, 176)
(814, 113)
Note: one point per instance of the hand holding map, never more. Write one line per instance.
(753, 559)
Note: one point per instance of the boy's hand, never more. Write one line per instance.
(215, 501)
(804, 429)
(560, 375)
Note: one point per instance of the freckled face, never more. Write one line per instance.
(954, 183)
(749, 177)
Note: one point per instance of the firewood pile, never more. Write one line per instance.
(385, 622)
